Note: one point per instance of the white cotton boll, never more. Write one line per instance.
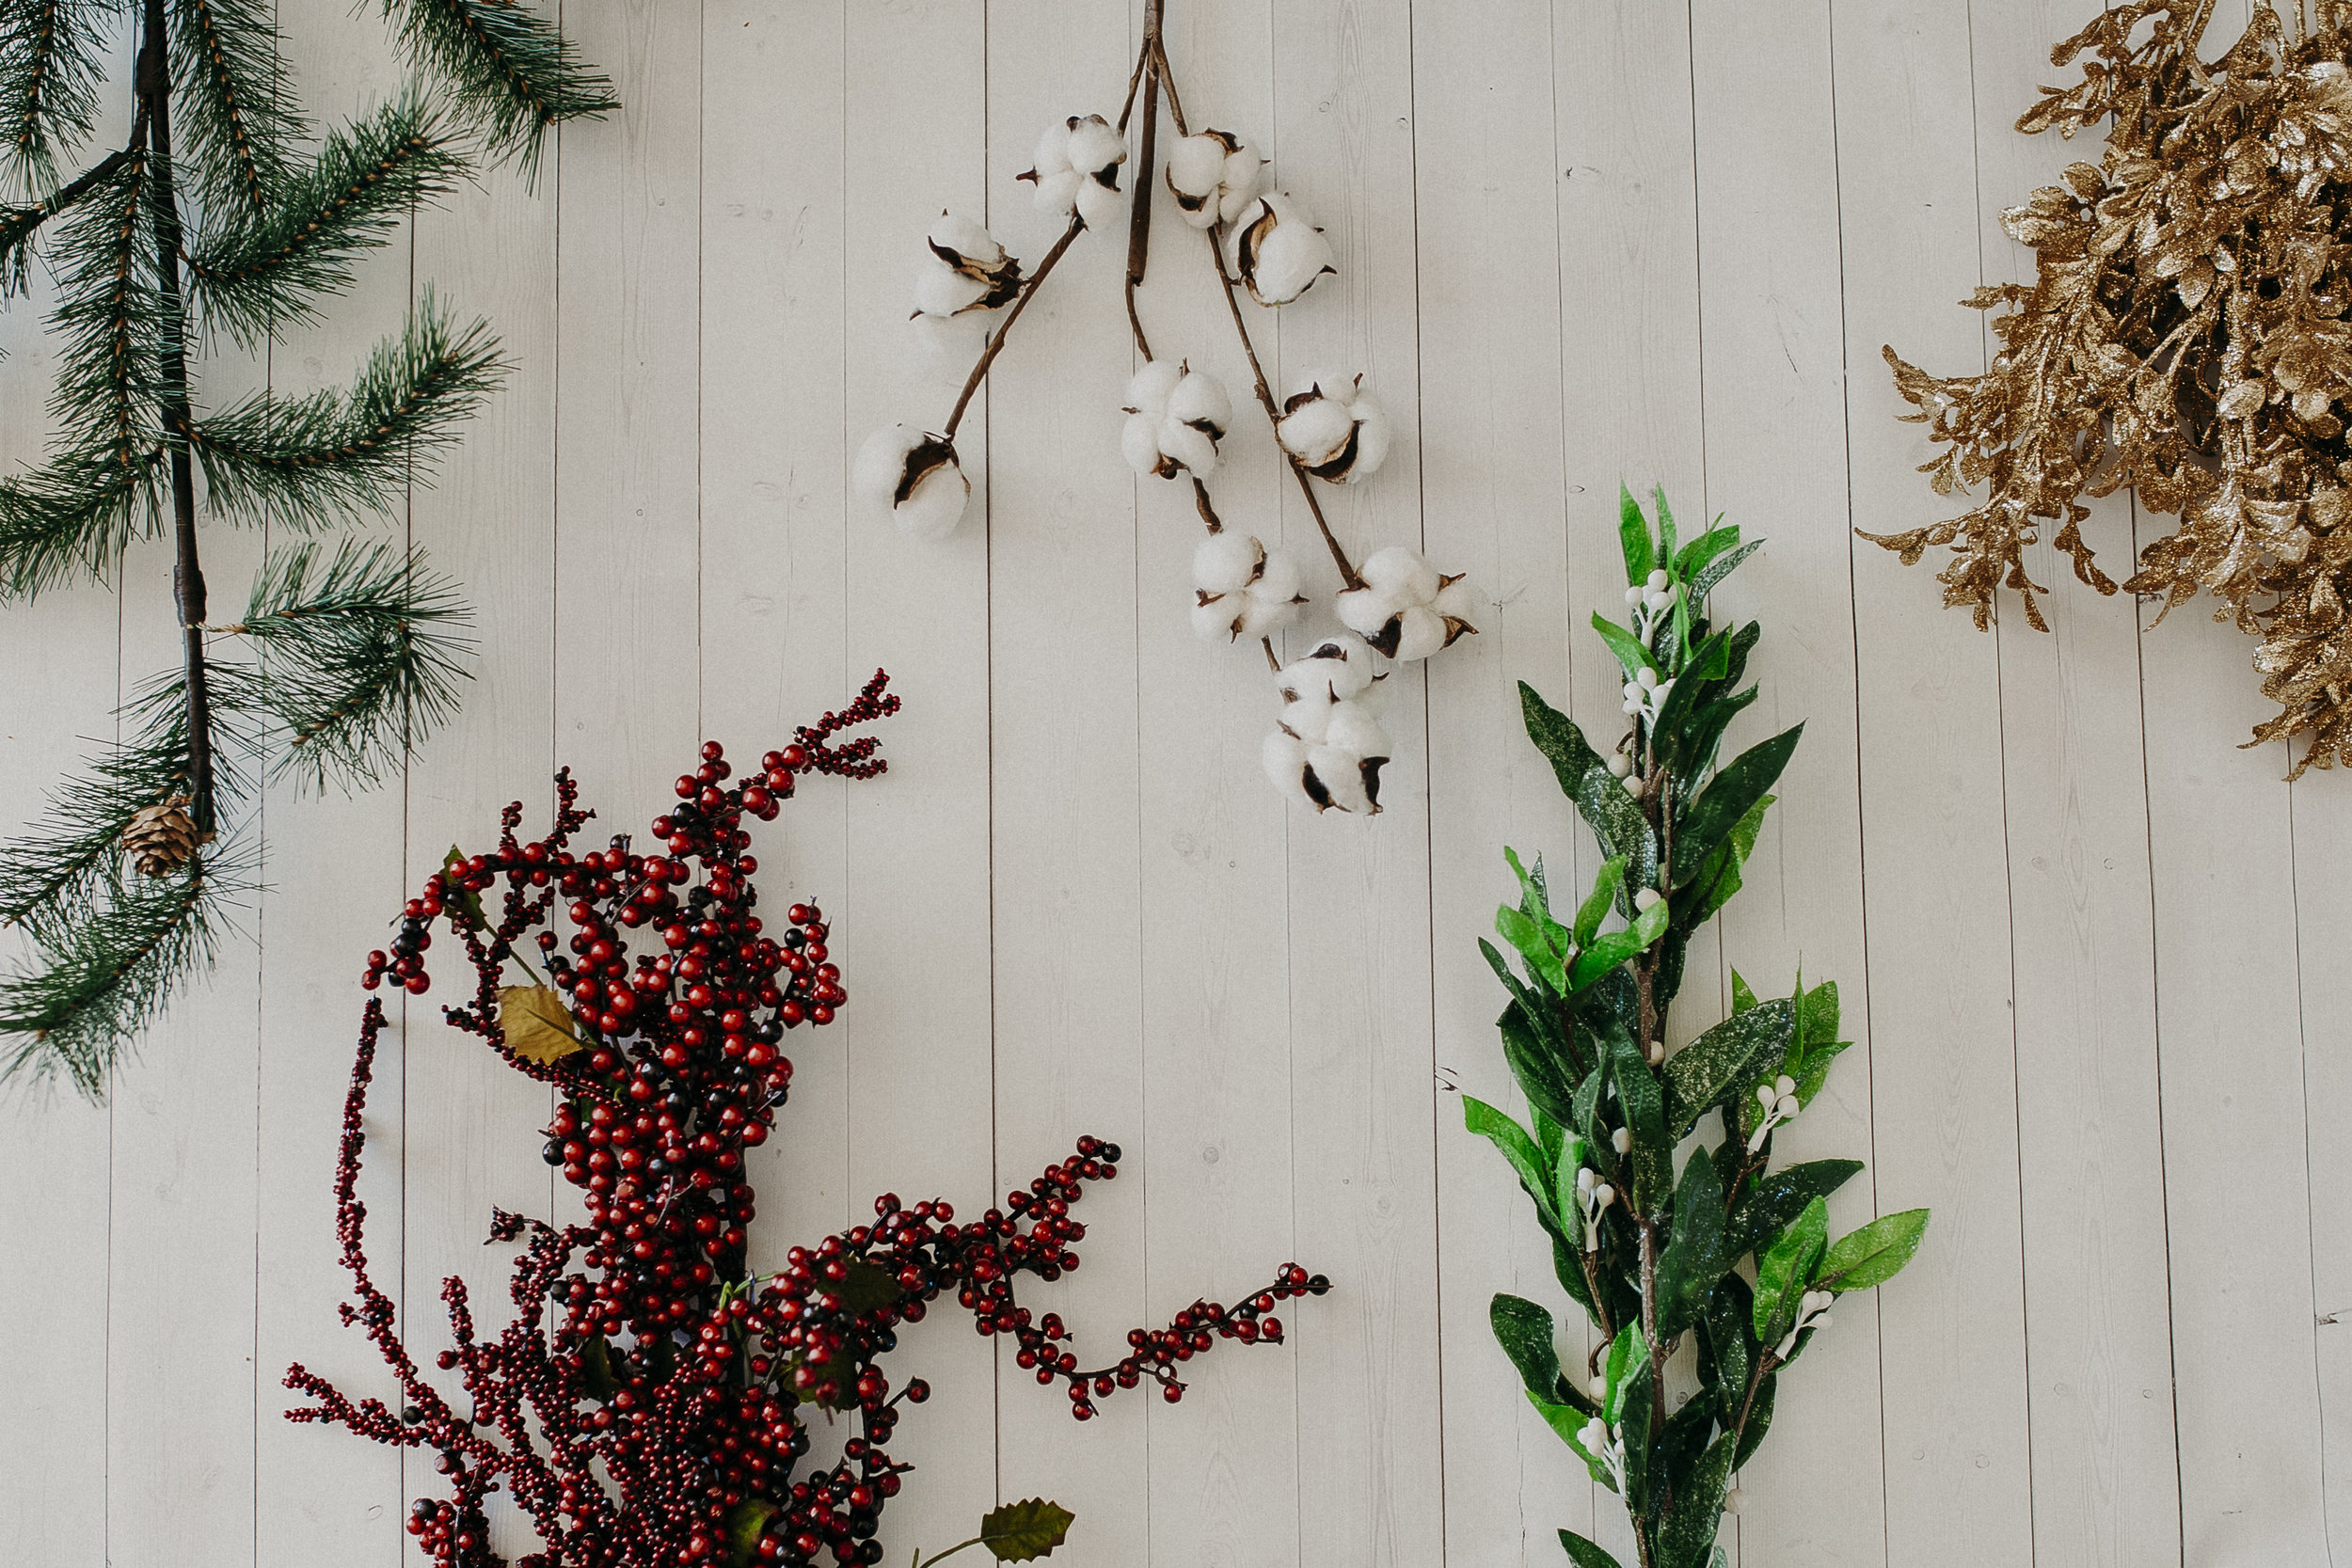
(1058, 192)
(1278, 578)
(1341, 666)
(1225, 562)
(1095, 145)
(1421, 633)
(1150, 388)
(1309, 717)
(1263, 616)
(1401, 574)
(942, 341)
(935, 506)
(1364, 610)
(1188, 446)
(1099, 204)
(1243, 182)
(1196, 165)
(940, 290)
(1200, 398)
(1316, 432)
(1371, 438)
(1277, 251)
(880, 464)
(1052, 150)
(1285, 757)
(966, 238)
(1456, 600)
(1342, 776)
(1216, 621)
(1139, 442)
(906, 472)
(1351, 729)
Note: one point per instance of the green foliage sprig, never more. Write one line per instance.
(1654, 1256)
(157, 248)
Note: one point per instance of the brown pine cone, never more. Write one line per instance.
(160, 837)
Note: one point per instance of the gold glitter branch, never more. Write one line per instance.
(2185, 337)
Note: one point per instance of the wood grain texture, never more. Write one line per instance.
(2092, 955)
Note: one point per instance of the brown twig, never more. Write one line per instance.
(996, 341)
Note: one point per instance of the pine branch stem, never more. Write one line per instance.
(187, 573)
(997, 339)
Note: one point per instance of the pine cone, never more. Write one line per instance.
(160, 837)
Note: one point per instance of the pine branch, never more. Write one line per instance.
(231, 106)
(108, 315)
(72, 516)
(360, 659)
(511, 73)
(18, 224)
(300, 463)
(102, 981)
(52, 66)
(265, 270)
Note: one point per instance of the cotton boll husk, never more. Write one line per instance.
(1094, 145)
(1341, 775)
(1150, 388)
(1353, 729)
(942, 291)
(1421, 633)
(1225, 562)
(1315, 431)
(1199, 399)
(1400, 574)
(1216, 621)
(1188, 446)
(966, 238)
(1364, 610)
(1139, 442)
(1456, 599)
(1278, 578)
(1264, 616)
(1285, 760)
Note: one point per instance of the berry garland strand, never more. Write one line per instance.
(657, 1420)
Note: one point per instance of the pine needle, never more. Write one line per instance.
(232, 110)
(511, 73)
(53, 63)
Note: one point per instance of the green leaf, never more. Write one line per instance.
(1018, 1532)
(1706, 547)
(1569, 1266)
(1634, 1429)
(463, 898)
(1652, 1155)
(1816, 1071)
(1665, 531)
(1633, 539)
(1784, 1269)
(1586, 1553)
(1695, 1257)
(1780, 1197)
(1523, 1329)
(1606, 953)
(596, 1369)
(1710, 715)
(1626, 1365)
(1728, 1346)
(745, 1522)
(1630, 650)
(1568, 1424)
(1543, 1076)
(1616, 819)
(1690, 695)
(1587, 1105)
(1722, 566)
(1562, 743)
(1742, 997)
(1731, 795)
(868, 1289)
(1590, 913)
(1726, 1061)
(1874, 1254)
(1687, 1534)
(1518, 1148)
(1526, 934)
(1817, 1011)
(1759, 1420)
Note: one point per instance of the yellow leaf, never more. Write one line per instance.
(536, 1024)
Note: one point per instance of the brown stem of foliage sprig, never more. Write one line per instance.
(656, 1418)
(2185, 337)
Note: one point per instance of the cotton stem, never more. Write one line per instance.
(997, 341)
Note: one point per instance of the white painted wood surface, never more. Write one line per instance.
(2093, 954)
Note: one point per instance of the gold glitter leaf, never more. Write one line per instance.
(536, 1025)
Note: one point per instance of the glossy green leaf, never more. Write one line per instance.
(1633, 540)
(1587, 1108)
(1617, 820)
(1606, 952)
(1686, 1536)
(1626, 1365)
(745, 1522)
(1557, 738)
(1759, 1420)
(1568, 1424)
(1019, 1532)
(1517, 1146)
(1695, 1257)
(1817, 1013)
(1652, 1154)
(868, 1289)
(1634, 1419)
(1590, 913)
(1784, 1269)
(1665, 531)
(1816, 1071)
(1544, 1076)
(1704, 548)
(1780, 1197)
(1702, 582)
(1527, 934)
(1586, 1553)
(1567, 1265)
(1732, 793)
(1713, 710)
(1524, 1330)
(1726, 1061)
(1632, 652)
(1742, 997)
(1874, 1254)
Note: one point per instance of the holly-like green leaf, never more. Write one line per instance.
(1630, 650)
(1523, 1329)
(1780, 1197)
(1586, 1553)
(455, 895)
(1784, 1269)
(1607, 952)
(1731, 795)
(1641, 557)
(1019, 1532)
(1556, 735)
(1874, 1254)
(745, 1522)
(1725, 1060)
(1590, 913)
(1517, 1146)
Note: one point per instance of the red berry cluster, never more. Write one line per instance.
(669, 1370)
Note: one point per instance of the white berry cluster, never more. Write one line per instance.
(1780, 1105)
(1812, 1312)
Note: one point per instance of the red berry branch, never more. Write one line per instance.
(666, 1366)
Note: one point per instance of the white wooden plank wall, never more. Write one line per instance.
(2093, 954)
